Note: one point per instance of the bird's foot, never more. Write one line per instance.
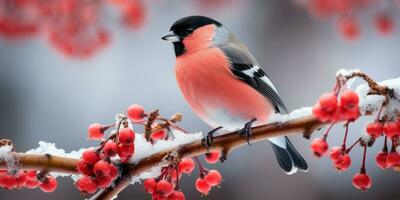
(208, 140)
(246, 130)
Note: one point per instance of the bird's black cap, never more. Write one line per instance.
(186, 25)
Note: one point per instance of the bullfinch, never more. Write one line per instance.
(224, 84)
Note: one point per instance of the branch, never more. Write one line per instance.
(225, 143)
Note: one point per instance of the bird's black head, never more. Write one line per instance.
(184, 28)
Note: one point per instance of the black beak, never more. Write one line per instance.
(172, 37)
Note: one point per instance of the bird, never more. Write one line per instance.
(224, 84)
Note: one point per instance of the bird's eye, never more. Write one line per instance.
(189, 30)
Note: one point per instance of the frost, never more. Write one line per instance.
(295, 114)
(6, 156)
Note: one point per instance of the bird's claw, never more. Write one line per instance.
(246, 130)
(208, 140)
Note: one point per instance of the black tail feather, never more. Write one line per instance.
(298, 160)
(289, 159)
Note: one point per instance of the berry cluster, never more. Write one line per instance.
(330, 109)
(347, 23)
(73, 27)
(27, 179)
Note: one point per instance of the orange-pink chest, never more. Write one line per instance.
(215, 94)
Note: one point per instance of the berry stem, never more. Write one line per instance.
(325, 135)
(202, 170)
(362, 170)
(380, 111)
(385, 148)
(354, 144)
(345, 135)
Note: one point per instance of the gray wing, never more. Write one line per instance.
(246, 68)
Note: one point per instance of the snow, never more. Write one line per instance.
(6, 156)
(295, 114)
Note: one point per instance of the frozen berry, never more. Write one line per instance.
(125, 151)
(328, 102)
(213, 178)
(136, 112)
(186, 165)
(375, 129)
(164, 187)
(344, 163)
(103, 182)
(101, 168)
(202, 186)
(90, 156)
(126, 136)
(336, 153)
(85, 168)
(212, 157)
(110, 148)
(319, 146)
(49, 184)
(381, 160)
(319, 113)
(96, 131)
(362, 181)
(86, 185)
(150, 185)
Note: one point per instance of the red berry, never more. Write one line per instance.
(7, 181)
(349, 28)
(150, 185)
(393, 159)
(126, 136)
(21, 179)
(375, 129)
(349, 100)
(186, 166)
(212, 157)
(103, 182)
(176, 175)
(156, 196)
(362, 181)
(213, 178)
(86, 185)
(202, 186)
(319, 113)
(344, 163)
(164, 187)
(176, 195)
(31, 175)
(114, 173)
(96, 131)
(125, 151)
(381, 160)
(384, 24)
(48, 185)
(136, 112)
(319, 146)
(336, 153)
(110, 148)
(102, 168)
(85, 168)
(391, 129)
(32, 184)
(328, 102)
(158, 135)
(90, 156)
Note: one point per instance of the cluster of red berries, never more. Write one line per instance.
(330, 109)
(27, 179)
(348, 25)
(74, 27)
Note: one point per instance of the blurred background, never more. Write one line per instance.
(45, 95)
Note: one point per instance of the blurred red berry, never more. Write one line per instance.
(96, 131)
(391, 130)
(202, 186)
(164, 187)
(384, 24)
(49, 184)
(114, 173)
(213, 178)
(126, 136)
(150, 185)
(90, 156)
(134, 14)
(86, 185)
(186, 165)
(375, 129)
(381, 160)
(336, 153)
(362, 181)
(319, 146)
(328, 102)
(135, 112)
(7, 181)
(21, 179)
(110, 148)
(349, 28)
(85, 168)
